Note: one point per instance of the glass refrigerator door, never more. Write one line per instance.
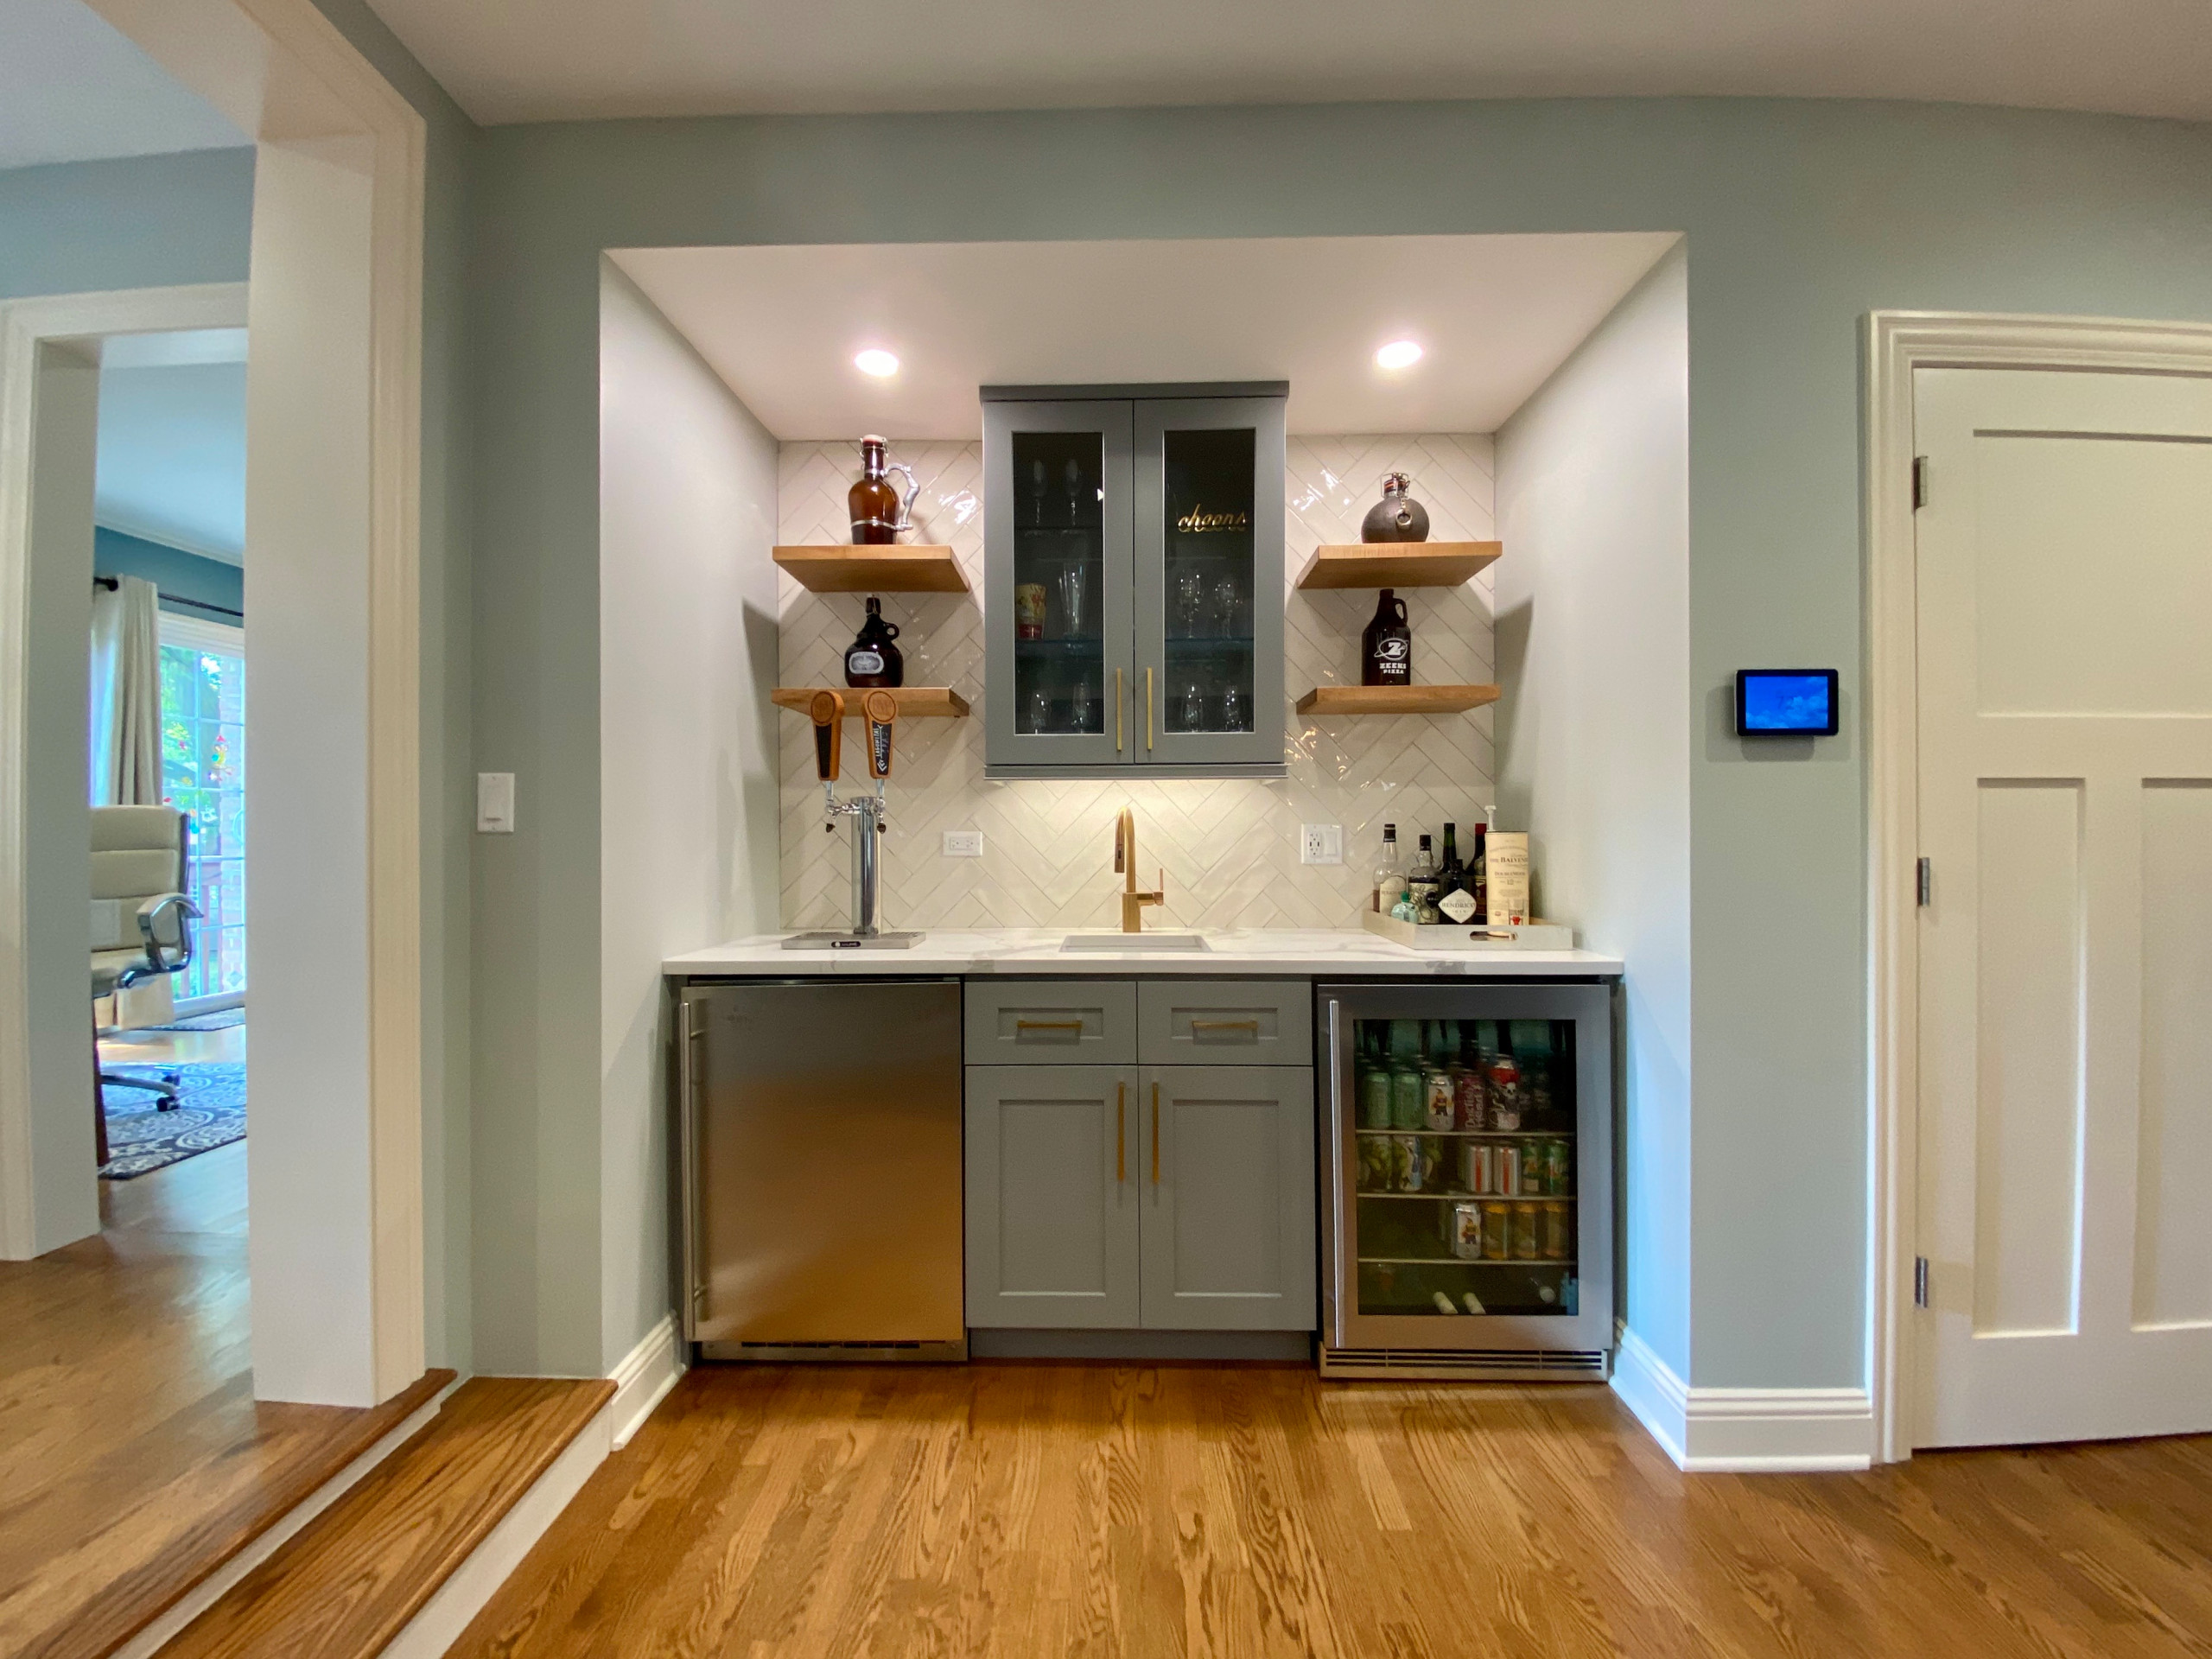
(1057, 686)
(1474, 1190)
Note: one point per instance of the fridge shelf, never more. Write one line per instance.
(1471, 1197)
(1479, 1134)
(1565, 1264)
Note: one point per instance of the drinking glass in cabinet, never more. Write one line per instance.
(1059, 573)
(1209, 509)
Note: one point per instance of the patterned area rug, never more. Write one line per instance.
(221, 1019)
(210, 1113)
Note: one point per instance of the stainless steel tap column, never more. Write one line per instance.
(881, 710)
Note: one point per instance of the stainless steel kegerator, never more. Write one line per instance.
(1468, 1195)
(819, 1138)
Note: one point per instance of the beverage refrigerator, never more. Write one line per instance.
(1468, 1192)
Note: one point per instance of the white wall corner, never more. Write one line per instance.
(1743, 1431)
(642, 1381)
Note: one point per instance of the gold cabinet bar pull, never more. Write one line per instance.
(1148, 710)
(1252, 1026)
(1120, 1108)
(1155, 1135)
(1020, 1026)
(1117, 711)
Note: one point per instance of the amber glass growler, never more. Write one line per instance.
(877, 513)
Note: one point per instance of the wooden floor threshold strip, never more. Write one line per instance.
(315, 1447)
(353, 1578)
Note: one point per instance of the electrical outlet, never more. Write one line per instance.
(963, 843)
(1321, 843)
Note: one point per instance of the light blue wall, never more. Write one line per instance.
(148, 221)
(1800, 216)
(1592, 613)
(178, 574)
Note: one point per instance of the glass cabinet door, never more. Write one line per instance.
(1209, 582)
(1057, 681)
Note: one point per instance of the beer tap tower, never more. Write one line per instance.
(880, 709)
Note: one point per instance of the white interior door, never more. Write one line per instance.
(2065, 800)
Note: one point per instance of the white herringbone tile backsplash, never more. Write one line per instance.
(1230, 845)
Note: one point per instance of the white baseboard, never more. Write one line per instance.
(1743, 1431)
(643, 1379)
(462, 1596)
(216, 1584)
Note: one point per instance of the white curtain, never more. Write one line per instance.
(126, 734)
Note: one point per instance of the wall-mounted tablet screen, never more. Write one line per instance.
(1785, 703)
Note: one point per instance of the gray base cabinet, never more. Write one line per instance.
(1157, 1197)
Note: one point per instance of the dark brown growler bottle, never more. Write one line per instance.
(1386, 656)
(874, 500)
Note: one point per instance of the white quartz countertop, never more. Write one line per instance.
(1316, 951)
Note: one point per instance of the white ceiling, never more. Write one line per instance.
(171, 463)
(72, 89)
(1495, 315)
(571, 59)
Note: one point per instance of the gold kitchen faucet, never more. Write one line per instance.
(1125, 866)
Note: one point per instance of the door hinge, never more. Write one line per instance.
(1920, 1281)
(1925, 885)
(1919, 482)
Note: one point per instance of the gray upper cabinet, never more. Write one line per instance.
(1226, 1237)
(1133, 569)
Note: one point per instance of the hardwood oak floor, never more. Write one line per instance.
(1058, 1509)
(133, 1457)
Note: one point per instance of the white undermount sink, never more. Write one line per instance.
(1134, 942)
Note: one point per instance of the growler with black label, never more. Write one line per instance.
(1387, 648)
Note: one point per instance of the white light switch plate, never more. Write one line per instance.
(1321, 843)
(495, 803)
(963, 843)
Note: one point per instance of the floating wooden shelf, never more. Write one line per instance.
(1396, 564)
(915, 701)
(835, 567)
(1393, 699)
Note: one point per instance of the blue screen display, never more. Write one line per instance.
(1787, 703)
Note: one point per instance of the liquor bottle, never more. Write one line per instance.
(1455, 892)
(1386, 656)
(1390, 873)
(1420, 884)
(1479, 874)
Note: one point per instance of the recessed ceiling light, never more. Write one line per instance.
(1398, 354)
(881, 363)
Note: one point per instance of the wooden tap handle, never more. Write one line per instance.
(882, 711)
(829, 734)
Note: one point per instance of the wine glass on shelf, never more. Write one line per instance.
(1190, 602)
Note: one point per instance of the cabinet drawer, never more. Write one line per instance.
(1224, 1022)
(1041, 1022)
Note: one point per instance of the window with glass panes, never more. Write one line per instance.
(203, 771)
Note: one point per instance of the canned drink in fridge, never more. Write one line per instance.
(1558, 1170)
(1374, 1098)
(1478, 1166)
(1408, 1099)
(1413, 1169)
(1554, 1233)
(1466, 1239)
(1524, 1232)
(1373, 1163)
(1509, 1172)
(1504, 1093)
(1436, 1098)
(1497, 1231)
(1468, 1110)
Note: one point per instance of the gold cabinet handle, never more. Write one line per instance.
(1120, 1108)
(1155, 1136)
(1117, 711)
(1252, 1026)
(1148, 710)
(1020, 1026)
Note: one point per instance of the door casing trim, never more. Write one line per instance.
(1896, 344)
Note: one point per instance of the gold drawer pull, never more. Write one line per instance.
(1252, 1026)
(1020, 1026)
(1155, 1136)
